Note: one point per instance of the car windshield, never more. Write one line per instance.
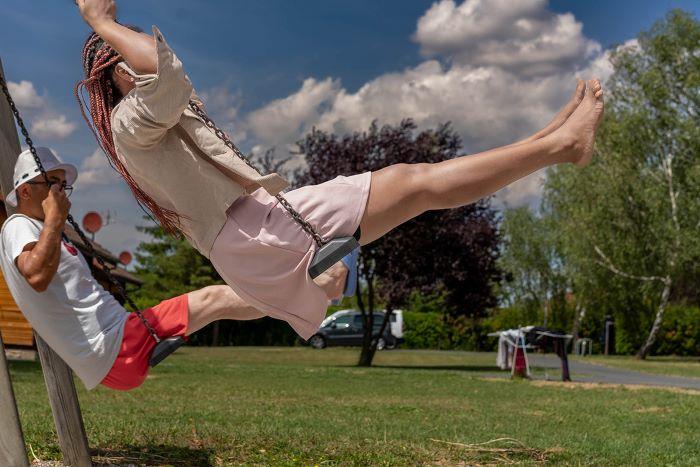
(337, 319)
(356, 318)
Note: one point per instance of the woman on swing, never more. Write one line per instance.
(193, 183)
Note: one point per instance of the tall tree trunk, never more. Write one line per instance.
(656, 327)
(667, 164)
(367, 353)
(578, 316)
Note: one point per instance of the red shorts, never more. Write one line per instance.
(169, 318)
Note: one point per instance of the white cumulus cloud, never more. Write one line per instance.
(25, 96)
(283, 120)
(498, 70)
(223, 106)
(53, 127)
(96, 171)
(517, 35)
(37, 111)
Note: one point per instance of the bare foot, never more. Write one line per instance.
(564, 113)
(577, 134)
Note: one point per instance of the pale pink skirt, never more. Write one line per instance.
(264, 255)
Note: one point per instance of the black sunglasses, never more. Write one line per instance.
(64, 186)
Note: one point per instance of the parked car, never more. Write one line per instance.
(345, 327)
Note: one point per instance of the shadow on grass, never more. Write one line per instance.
(472, 368)
(151, 454)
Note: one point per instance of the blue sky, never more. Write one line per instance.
(254, 54)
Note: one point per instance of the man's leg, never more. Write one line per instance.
(214, 303)
(221, 302)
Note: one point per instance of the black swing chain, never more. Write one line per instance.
(88, 244)
(282, 200)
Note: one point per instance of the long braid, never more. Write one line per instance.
(98, 61)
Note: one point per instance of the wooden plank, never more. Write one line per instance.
(21, 341)
(64, 406)
(17, 336)
(12, 450)
(15, 322)
(14, 327)
(24, 339)
(9, 144)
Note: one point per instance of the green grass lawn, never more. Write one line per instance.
(223, 406)
(672, 366)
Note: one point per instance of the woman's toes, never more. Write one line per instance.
(590, 86)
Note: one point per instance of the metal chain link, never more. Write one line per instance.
(283, 201)
(71, 221)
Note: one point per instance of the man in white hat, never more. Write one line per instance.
(53, 286)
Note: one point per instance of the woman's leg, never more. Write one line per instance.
(403, 191)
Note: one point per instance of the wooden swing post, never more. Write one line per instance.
(58, 376)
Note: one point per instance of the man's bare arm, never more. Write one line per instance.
(38, 262)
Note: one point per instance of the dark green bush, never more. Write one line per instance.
(680, 332)
(435, 331)
(424, 331)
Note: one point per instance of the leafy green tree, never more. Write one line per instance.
(451, 251)
(628, 223)
(530, 259)
(169, 266)
(537, 283)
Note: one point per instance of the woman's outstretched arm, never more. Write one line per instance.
(137, 48)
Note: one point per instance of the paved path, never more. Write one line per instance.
(589, 372)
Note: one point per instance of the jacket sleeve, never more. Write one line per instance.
(157, 102)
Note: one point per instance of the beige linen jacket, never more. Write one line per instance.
(175, 158)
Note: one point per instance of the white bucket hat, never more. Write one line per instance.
(26, 169)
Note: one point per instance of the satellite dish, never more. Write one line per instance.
(125, 257)
(92, 222)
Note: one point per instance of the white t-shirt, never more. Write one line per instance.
(79, 319)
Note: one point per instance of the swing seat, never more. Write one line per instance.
(165, 348)
(332, 252)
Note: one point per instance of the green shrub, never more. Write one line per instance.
(424, 331)
(512, 317)
(435, 331)
(680, 332)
